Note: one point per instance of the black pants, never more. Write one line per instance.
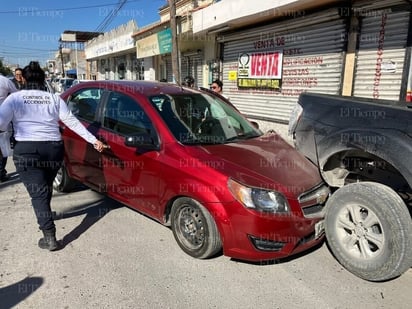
(3, 171)
(37, 164)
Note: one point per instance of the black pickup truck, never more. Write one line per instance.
(363, 148)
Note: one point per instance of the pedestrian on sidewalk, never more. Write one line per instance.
(189, 81)
(6, 87)
(217, 86)
(39, 149)
(18, 79)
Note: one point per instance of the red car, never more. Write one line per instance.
(190, 160)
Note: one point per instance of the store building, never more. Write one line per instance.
(154, 45)
(70, 59)
(112, 55)
(270, 54)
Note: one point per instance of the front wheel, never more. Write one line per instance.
(369, 230)
(62, 182)
(194, 229)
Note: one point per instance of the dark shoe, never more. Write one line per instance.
(3, 165)
(4, 177)
(49, 241)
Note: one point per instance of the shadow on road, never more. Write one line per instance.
(93, 211)
(12, 295)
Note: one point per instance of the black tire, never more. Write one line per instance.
(369, 230)
(62, 182)
(194, 229)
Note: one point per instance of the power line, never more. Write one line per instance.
(109, 18)
(25, 48)
(65, 9)
(10, 51)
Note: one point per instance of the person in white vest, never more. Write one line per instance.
(38, 152)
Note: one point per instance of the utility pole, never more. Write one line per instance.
(61, 59)
(175, 47)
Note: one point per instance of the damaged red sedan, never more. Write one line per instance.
(188, 159)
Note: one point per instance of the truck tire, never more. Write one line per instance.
(369, 230)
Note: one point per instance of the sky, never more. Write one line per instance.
(30, 30)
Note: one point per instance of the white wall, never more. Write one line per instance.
(227, 10)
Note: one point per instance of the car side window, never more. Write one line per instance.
(125, 116)
(84, 103)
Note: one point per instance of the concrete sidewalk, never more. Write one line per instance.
(25, 269)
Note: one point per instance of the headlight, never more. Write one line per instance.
(258, 199)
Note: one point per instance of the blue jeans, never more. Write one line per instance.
(37, 164)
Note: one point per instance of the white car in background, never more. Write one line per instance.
(78, 81)
(63, 84)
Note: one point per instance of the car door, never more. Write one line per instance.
(85, 161)
(131, 175)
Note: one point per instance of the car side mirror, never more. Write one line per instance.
(255, 124)
(142, 140)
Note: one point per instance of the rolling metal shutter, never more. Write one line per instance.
(381, 52)
(312, 61)
(192, 66)
(167, 65)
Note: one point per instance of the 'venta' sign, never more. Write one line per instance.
(260, 70)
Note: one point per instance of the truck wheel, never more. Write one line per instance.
(62, 182)
(194, 229)
(369, 230)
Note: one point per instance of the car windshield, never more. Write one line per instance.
(196, 118)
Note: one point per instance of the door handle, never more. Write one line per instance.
(103, 140)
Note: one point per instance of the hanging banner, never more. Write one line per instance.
(155, 44)
(260, 70)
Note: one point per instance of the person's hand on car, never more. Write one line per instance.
(99, 146)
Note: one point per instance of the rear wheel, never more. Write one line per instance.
(194, 229)
(369, 230)
(62, 182)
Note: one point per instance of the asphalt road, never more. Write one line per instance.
(114, 257)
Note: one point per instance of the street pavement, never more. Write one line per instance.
(114, 257)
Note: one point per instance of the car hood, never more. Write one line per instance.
(266, 162)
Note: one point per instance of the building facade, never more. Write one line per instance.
(154, 45)
(112, 55)
(271, 54)
(267, 55)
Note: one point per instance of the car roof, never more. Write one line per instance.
(146, 87)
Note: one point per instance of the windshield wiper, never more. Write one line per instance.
(241, 136)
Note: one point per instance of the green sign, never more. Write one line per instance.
(164, 38)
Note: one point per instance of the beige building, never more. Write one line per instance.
(267, 54)
(112, 55)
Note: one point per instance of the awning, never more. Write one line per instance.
(71, 72)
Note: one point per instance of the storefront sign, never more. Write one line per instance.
(156, 44)
(260, 70)
(110, 46)
(165, 41)
(232, 75)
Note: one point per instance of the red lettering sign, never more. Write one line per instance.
(266, 65)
